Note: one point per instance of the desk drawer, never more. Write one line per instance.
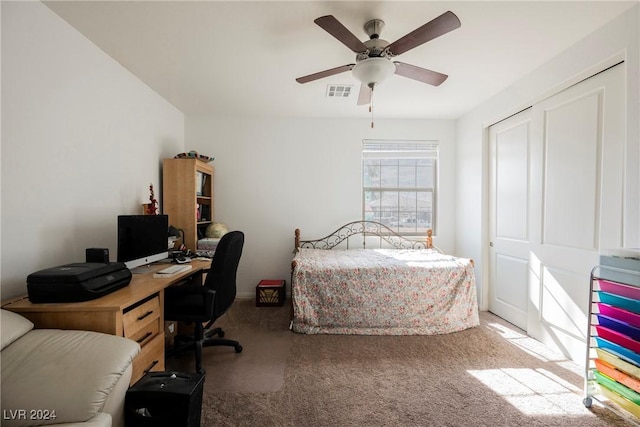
(140, 317)
(146, 333)
(150, 358)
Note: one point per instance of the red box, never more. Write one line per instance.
(270, 293)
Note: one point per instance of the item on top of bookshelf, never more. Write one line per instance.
(216, 230)
(193, 155)
(151, 208)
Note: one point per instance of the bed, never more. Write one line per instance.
(400, 287)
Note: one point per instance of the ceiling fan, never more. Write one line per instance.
(374, 57)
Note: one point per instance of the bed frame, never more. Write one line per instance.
(437, 292)
(366, 229)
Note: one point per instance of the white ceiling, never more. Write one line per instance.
(242, 58)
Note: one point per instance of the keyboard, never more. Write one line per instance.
(174, 269)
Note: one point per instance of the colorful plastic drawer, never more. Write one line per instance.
(619, 363)
(619, 376)
(615, 288)
(631, 318)
(613, 385)
(619, 326)
(620, 351)
(619, 301)
(626, 404)
(618, 338)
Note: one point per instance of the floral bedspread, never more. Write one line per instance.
(382, 292)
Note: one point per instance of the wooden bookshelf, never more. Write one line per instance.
(187, 196)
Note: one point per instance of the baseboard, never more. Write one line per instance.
(251, 295)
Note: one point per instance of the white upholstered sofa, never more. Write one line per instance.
(63, 378)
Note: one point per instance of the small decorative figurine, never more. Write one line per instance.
(152, 208)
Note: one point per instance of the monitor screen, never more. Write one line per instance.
(142, 239)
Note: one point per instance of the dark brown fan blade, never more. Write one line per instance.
(332, 26)
(365, 95)
(325, 73)
(421, 74)
(444, 23)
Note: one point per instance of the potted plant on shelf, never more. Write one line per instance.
(152, 207)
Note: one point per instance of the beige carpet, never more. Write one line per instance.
(492, 375)
(265, 338)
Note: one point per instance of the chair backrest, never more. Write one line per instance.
(224, 266)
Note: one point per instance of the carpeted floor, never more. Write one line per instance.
(492, 375)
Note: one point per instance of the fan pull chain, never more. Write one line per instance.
(371, 107)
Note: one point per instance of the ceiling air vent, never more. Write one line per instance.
(339, 91)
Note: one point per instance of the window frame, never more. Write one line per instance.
(398, 150)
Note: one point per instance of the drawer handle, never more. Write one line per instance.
(147, 335)
(145, 315)
(154, 363)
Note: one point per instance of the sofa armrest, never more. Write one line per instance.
(70, 372)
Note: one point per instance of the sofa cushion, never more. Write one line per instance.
(69, 372)
(13, 327)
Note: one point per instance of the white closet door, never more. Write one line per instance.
(509, 218)
(577, 166)
(555, 201)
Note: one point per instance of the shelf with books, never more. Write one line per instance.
(203, 212)
(202, 185)
(188, 196)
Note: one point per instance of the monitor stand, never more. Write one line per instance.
(148, 268)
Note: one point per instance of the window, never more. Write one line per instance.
(399, 182)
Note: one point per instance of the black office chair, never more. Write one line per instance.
(206, 303)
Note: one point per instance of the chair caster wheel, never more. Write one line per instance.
(587, 402)
(238, 348)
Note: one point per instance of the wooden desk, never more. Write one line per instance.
(135, 311)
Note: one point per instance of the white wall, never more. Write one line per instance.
(618, 39)
(82, 139)
(275, 175)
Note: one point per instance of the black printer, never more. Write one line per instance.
(81, 281)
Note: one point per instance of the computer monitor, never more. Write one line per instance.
(142, 239)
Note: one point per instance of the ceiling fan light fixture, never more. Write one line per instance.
(373, 71)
